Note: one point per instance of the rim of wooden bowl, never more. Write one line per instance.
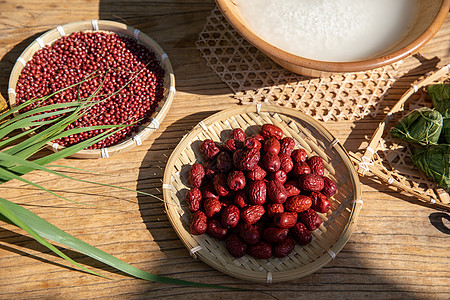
(287, 59)
(145, 130)
(338, 223)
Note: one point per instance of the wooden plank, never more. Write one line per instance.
(395, 252)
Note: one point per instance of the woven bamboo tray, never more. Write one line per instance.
(390, 159)
(160, 112)
(328, 240)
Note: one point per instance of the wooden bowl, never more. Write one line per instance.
(432, 15)
(106, 26)
(328, 239)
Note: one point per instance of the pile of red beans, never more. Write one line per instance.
(130, 77)
(258, 193)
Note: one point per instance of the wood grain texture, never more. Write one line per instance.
(399, 248)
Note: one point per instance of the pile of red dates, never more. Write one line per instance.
(258, 193)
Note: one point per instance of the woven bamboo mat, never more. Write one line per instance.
(255, 78)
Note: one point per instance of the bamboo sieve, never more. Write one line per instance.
(328, 240)
(389, 159)
(145, 130)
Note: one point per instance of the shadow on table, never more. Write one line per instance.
(9, 59)
(27, 243)
(175, 27)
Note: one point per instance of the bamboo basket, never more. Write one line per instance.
(328, 240)
(390, 159)
(145, 130)
(431, 16)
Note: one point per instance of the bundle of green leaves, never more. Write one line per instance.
(429, 129)
(16, 152)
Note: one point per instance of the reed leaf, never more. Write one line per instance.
(39, 229)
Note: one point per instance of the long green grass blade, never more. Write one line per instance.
(23, 217)
(10, 212)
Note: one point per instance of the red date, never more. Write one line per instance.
(198, 224)
(257, 173)
(301, 168)
(329, 187)
(236, 180)
(249, 233)
(311, 219)
(286, 163)
(273, 209)
(276, 192)
(193, 199)
(246, 159)
(238, 134)
(241, 199)
(283, 248)
(311, 182)
(320, 202)
(257, 192)
(216, 230)
(279, 175)
(301, 234)
(251, 143)
(299, 155)
(224, 162)
(232, 145)
(252, 214)
(211, 206)
(272, 145)
(209, 149)
(261, 250)
(316, 165)
(285, 219)
(287, 145)
(274, 234)
(208, 191)
(292, 188)
(196, 175)
(220, 184)
(271, 162)
(298, 203)
(230, 217)
(270, 130)
(235, 246)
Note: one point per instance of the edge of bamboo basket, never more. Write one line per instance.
(364, 162)
(254, 276)
(109, 26)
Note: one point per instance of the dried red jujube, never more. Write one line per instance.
(316, 165)
(193, 199)
(235, 246)
(196, 175)
(198, 224)
(270, 130)
(221, 185)
(230, 217)
(209, 149)
(216, 230)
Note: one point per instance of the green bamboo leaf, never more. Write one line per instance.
(23, 217)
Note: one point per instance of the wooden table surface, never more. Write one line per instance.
(398, 250)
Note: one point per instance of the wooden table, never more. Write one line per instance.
(399, 248)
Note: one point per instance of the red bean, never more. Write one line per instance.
(118, 59)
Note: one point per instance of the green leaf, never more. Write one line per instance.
(422, 126)
(8, 211)
(440, 96)
(39, 229)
